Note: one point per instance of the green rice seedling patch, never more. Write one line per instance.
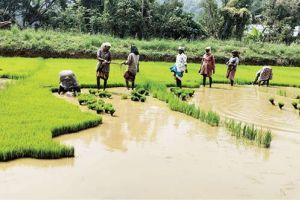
(249, 132)
(183, 94)
(98, 105)
(282, 93)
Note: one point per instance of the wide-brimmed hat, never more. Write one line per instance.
(106, 44)
(180, 48)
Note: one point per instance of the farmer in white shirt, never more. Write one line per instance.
(180, 66)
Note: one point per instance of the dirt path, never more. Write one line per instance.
(150, 152)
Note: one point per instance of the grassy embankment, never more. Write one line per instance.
(57, 44)
(30, 116)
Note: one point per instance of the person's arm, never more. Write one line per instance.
(129, 60)
(185, 64)
(213, 64)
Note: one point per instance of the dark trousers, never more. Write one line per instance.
(204, 80)
(98, 83)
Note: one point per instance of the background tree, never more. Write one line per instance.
(210, 17)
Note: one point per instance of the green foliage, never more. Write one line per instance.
(280, 19)
(249, 132)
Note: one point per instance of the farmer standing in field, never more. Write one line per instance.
(133, 66)
(103, 65)
(180, 67)
(232, 66)
(207, 68)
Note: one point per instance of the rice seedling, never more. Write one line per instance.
(160, 92)
(282, 93)
(272, 101)
(281, 105)
(249, 132)
(104, 94)
(183, 94)
(139, 94)
(298, 97)
(124, 96)
(295, 105)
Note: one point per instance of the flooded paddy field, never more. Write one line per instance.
(251, 104)
(147, 151)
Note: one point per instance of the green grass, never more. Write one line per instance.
(65, 44)
(31, 116)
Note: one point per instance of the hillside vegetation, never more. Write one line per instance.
(31, 43)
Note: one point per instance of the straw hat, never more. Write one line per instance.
(180, 48)
(208, 48)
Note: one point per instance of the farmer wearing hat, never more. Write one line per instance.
(232, 66)
(133, 66)
(103, 65)
(263, 76)
(207, 68)
(180, 66)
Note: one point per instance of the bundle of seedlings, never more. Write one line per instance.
(250, 132)
(95, 104)
(272, 101)
(100, 93)
(280, 105)
(139, 94)
(124, 96)
(183, 94)
(298, 97)
(295, 105)
(104, 94)
(85, 99)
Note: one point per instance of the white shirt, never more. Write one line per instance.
(181, 62)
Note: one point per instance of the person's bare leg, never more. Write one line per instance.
(210, 82)
(98, 83)
(132, 85)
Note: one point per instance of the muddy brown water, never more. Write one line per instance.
(150, 152)
(251, 104)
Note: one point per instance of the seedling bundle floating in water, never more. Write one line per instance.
(183, 94)
(139, 94)
(272, 101)
(280, 105)
(101, 94)
(95, 104)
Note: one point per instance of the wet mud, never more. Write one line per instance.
(147, 151)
